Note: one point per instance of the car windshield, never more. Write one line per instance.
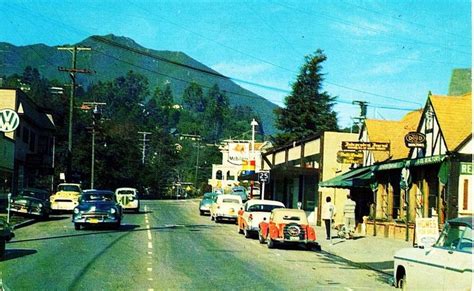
(72, 188)
(34, 194)
(262, 207)
(456, 236)
(97, 196)
(208, 195)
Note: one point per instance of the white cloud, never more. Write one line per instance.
(362, 27)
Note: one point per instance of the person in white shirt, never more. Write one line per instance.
(327, 213)
(349, 216)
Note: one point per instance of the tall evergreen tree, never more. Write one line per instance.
(309, 110)
(194, 99)
(216, 112)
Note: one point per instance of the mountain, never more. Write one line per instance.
(113, 56)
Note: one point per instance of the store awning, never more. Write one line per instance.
(357, 178)
(411, 163)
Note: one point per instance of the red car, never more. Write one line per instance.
(287, 226)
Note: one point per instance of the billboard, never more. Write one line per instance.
(238, 152)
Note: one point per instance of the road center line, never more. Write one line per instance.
(150, 246)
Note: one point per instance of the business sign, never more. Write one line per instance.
(346, 157)
(238, 152)
(365, 146)
(415, 140)
(426, 231)
(466, 168)
(9, 120)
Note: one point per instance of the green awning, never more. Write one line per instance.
(357, 178)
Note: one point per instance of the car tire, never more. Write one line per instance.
(2, 249)
(77, 226)
(201, 212)
(212, 217)
(270, 243)
(402, 283)
(217, 219)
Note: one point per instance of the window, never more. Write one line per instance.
(465, 201)
(456, 237)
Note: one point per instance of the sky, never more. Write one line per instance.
(390, 54)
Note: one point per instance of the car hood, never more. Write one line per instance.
(99, 205)
(25, 199)
(67, 193)
(411, 252)
(206, 202)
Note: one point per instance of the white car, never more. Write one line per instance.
(128, 198)
(445, 266)
(253, 212)
(225, 206)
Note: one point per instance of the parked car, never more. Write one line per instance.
(97, 207)
(66, 197)
(287, 226)
(447, 265)
(128, 198)
(253, 213)
(225, 206)
(6, 234)
(31, 202)
(205, 203)
(241, 191)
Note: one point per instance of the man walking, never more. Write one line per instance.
(327, 213)
(349, 216)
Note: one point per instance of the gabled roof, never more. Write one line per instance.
(454, 115)
(393, 132)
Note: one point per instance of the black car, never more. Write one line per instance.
(31, 202)
(97, 207)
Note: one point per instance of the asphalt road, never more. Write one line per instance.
(168, 246)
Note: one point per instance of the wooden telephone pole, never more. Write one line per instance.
(72, 73)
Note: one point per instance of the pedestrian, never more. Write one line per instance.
(327, 213)
(349, 216)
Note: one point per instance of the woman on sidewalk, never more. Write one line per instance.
(327, 213)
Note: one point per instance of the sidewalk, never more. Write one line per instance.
(374, 252)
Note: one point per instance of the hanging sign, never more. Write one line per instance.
(346, 157)
(365, 146)
(415, 140)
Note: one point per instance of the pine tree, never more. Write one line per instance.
(309, 110)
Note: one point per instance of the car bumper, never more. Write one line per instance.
(63, 205)
(226, 215)
(25, 211)
(295, 241)
(96, 220)
(204, 208)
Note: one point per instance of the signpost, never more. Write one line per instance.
(263, 178)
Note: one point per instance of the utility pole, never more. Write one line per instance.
(72, 73)
(144, 140)
(95, 114)
(197, 163)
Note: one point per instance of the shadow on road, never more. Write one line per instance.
(17, 253)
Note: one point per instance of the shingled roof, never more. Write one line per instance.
(393, 132)
(454, 115)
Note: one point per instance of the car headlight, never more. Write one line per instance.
(112, 210)
(76, 210)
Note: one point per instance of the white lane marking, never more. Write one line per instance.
(149, 269)
(149, 234)
(348, 289)
(150, 279)
(149, 253)
(150, 246)
(151, 289)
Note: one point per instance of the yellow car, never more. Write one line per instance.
(66, 197)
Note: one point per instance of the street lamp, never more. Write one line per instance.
(254, 123)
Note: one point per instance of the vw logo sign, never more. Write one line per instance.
(9, 120)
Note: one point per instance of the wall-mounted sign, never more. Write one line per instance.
(9, 120)
(365, 146)
(415, 140)
(237, 153)
(346, 157)
(466, 168)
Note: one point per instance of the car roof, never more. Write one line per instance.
(264, 202)
(126, 188)
(89, 191)
(467, 220)
(280, 213)
(233, 196)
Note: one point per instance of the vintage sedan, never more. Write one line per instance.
(287, 226)
(31, 202)
(225, 206)
(128, 198)
(253, 213)
(205, 203)
(66, 197)
(6, 234)
(447, 265)
(97, 207)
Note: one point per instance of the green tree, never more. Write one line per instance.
(216, 114)
(309, 110)
(194, 99)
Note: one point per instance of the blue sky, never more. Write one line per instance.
(389, 53)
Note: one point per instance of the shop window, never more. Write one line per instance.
(229, 176)
(219, 175)
(465, 201)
